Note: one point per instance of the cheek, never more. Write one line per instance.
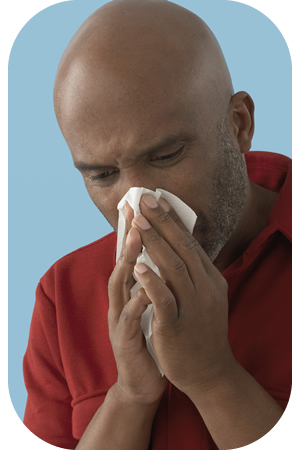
(195, 182)
(197, 190)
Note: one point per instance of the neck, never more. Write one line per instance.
(258, 205)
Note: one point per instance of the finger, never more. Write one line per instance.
(164, 302)
(180, 275)
(171, 228)
(121, 280)
(130, 317)
(172, 213)
(172, 268)
(129, 215)
(190, 241)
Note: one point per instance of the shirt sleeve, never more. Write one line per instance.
(48, 412)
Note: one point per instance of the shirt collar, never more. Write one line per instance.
(274, 171)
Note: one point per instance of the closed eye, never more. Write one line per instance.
(166, 157)
(104, 175)
(108, 174)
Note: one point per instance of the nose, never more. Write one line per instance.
(144, 179)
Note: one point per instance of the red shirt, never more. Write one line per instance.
(69, 364)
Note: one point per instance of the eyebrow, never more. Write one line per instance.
(166, 142)
(84, 167)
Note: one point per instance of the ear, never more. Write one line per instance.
(241, 120)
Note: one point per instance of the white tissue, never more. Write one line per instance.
(187, 216)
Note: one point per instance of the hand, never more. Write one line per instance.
(190, 323)
(139, 379)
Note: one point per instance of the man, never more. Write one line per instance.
(143, 97)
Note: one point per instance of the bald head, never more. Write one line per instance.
(135, 55)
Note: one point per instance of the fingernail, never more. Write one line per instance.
(142, 222)
(141, 268)
(150, 201)
(164, 204)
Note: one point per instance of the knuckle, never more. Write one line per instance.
(166, 301)
(140, 295)
(126, 282)
(121, 261)
(163, 217)
(154, 239)
(192, 244)
(125, 314)
(120, 276)
(188, 243)
(178, 266)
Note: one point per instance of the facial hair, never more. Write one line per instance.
(229, 194)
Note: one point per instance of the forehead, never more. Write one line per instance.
(127, 118)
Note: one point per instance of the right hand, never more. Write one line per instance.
(139, 379)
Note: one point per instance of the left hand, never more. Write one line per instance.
(190, 324)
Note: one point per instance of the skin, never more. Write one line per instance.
(143, 97)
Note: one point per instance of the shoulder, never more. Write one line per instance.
(270, 170)
(274, 171)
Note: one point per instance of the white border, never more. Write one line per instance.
(14, 14)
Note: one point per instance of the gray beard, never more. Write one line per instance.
(229, 194)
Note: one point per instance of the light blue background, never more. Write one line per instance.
(50, 213)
